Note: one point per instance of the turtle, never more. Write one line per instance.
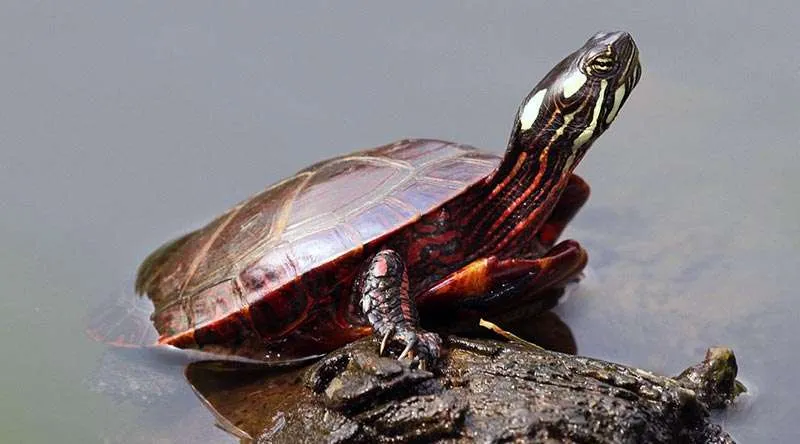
(397, 240)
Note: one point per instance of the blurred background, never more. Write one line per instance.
(124, 124)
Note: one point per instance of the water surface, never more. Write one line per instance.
(124, 125)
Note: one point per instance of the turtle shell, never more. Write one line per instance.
(243, 271)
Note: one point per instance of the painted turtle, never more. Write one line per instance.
(358, 244)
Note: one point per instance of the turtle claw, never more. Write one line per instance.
(385, 340)
(420, 347)
(405, 351)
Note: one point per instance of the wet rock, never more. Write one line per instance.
(489, 391)
(714, 379)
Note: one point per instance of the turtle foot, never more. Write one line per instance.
(419, 346)
(392, 312)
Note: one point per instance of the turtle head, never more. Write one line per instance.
(578, 99)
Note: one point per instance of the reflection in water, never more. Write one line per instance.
(148, 384)
(246, 399)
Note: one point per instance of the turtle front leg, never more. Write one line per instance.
(382, 292)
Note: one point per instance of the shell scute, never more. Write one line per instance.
(253, 266)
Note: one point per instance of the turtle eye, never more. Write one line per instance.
(602, 65)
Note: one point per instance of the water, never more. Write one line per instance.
(124, 125)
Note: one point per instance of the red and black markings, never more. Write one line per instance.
(280, 311)
(493, 286)
(575, 194)
(432, 248)
(520, 195)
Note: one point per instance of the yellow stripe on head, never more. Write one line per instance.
(531, 110)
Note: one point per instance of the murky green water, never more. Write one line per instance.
(124, 125)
